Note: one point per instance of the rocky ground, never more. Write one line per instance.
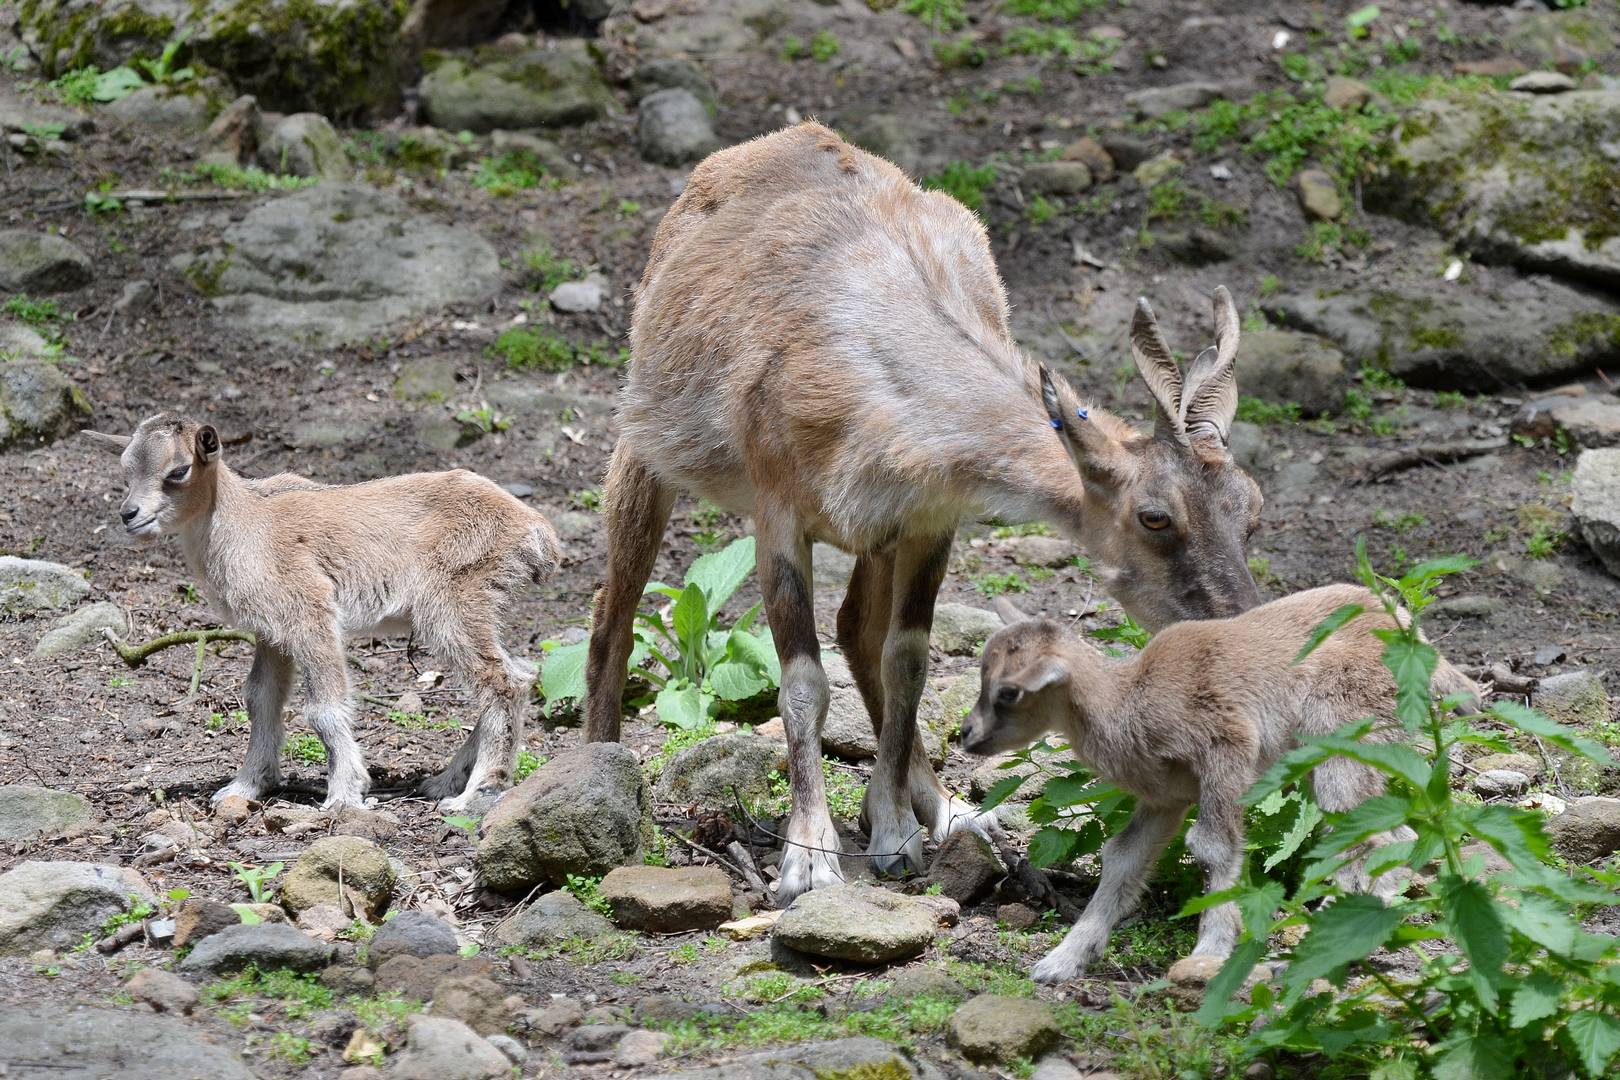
(455, 291)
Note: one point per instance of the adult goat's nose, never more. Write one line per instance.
(129, 514)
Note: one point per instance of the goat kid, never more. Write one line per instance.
(1196, 717)
(307, 567)
(823, 346)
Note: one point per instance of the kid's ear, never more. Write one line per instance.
(1045, 672)
(207, 443)
(113, 444)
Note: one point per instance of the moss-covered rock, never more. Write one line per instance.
(491, 88)
(344, 59)
(1515, 178)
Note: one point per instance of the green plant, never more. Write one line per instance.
(1356, 22)
(1541, 543)
(707, 518)
(16, 59)
(962, 182)
(293, 1049)
(420, 721)
(1054, 10)
(121, 680)
(588, 891)
(306, 747)
(1511, 984)
(1451, 399)
(1379, 379)
(551, 267)
(216, 722)
(1034, 528)
(526, 764)
(251, 178)
(1402, 523)
(792, 47)
(456, 821)
(704, 662)
(1326, 236)
(1127, 631)
(964, 51)
(823, 46)
(587, 499)
(939, 14)
(995, 584)
(1255, 411)
(35, 312)
(1358, 405)
(523, 347)
(485, 419)
(298, 996)
(1165, 199)
(1038, 211)
(255, 877)
(509, 173)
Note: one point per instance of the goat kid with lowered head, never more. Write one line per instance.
(306, 567)
(821, 345)
(1196, 717)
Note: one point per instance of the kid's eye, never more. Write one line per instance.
(1008, 695)
(178, 475)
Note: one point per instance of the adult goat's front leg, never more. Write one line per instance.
(635, 508)
(1127, 860)
(810, 860)
(265, 694)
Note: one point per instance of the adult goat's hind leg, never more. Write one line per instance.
(863, 625)
(265, 694)
(897, 837)
(810, 860)
(635, 509)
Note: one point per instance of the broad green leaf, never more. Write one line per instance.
(1375, 815)
(1388, 857)
(1052, 845)
(1393, 759)
(751, 648)
(1433, 568)
(1347, 930)
(116, 84)
(1309, 815)
(1000, 790)
(1474, 919)
(1326, 628)
(659, 587)
(746, 623)
(1543, 920)
(686, 707)
(248, 915)
(690, 620)
(1466, 1055)
(737, 682)
(719, 573)
(562, 673)
(1291, 768)
(1533, 723)
(1229, 980)
(1074, 790)
(1518, 834)
(1412, 663)
(1534, 998)
(1272, 803)
(1595, 1038)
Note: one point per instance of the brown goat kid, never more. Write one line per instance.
(821, 345)
(307, 567)
(1196, 717)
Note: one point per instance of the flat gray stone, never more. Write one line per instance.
(1047, 551)
(28, 813)
(52, 905)
(718, 28)
(40, 263)
(1590, 422)
(1282, 366)
(82, 627)
(959, 630)
(413, 933)
(162, 108)
(1470, 606)
(266, 945)
(858, 1057)
(1157, 101)
(1596, 504)
(1059, 178)
(856, 922)
(577, 296)
(847, 731)
(19, 114)
(707, 772)
(92, 1043)
(1543, 82)
(1576, 699)
(32, 584)
(439, 1048)
(669, 73)
(674, 128)
(1500, 783)
(553, 919)
(515, 89)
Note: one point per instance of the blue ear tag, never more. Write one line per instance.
(1057, 425)
(1083, 414)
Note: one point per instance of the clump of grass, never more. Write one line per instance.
(524, 347)
(823, 47)
(1255, 411)
(509, 173)
(551, 269)
(251, 178)
(306, 747)
(962, 182)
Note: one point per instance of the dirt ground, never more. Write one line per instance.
(134, 743)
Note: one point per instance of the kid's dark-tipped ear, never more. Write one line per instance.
(113, 444)
(207, 443)
(1010, 612)
(1049, 395)
(1045, 672)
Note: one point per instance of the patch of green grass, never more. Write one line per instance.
(523, 347)
(995, 584)
(1255, 411)
(385, 1010)
(941, 15)
(252, 178)
(216, 722)
(1165, 200)
(1379, 379)
(964, 51)
(962, 182)
(1401, 523)
(526, 764)
(551, 269)
(510, 173)
(587, 499)
(1451, 399)
(792, 47)
(823, 46)
(675, 741)
(1543, 542)
(1038, 211)
(588, 891)
(293, 1049)
(305, 747)
(1034, 528)
(844, 792)
(1326, 236)
(37, 313)
(1054, 10)
(415, 721)
(300, 996)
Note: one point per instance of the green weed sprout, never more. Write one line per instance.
(255, 879)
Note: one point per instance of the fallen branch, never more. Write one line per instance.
(155, 195)
(136, 655)
(745, 862)
(121, 937)
(1446, 452)
(1035, 883)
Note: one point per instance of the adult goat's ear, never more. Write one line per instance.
(1093, 438)
(207, 444)
(1210, 401)
(1158, 367)
(1010, 612)
(113, 444)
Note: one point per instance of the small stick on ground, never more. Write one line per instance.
(136, 655)
(745, 862)
(722, 863)
(121, 937)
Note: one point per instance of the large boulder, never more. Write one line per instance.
(856, 922)
(583, 812)
(668, 73)
(82, 627)
(1441, 334)
(38, 405)
(491, 88)
(1515, 178)
(554, 919)
(28, 813)
(674, 128)
(1566, 39)
(343, 60)
(52, 905)
(304, 144)
(847, 731)
(267, 946)
(1588, 831)
(94, 1042)
(40, 262)
(707, 772)
(1000, 1030)
(32, 584)
(1596, 505)
(959, 629)
(367, 875)
(164, 108)
(668, 899)
(1281, 366)
(338, 263)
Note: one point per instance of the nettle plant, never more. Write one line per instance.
(704, 662)
(1508, 985)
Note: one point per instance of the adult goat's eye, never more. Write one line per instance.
(1154, 519)
(178, 475)
(1008, 695)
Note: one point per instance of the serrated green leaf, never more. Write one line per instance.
(1327, 627)
(1393, 759)
(1466, 1055)
(719, 573)
(1229, 980)
(1595, 1037)
(1474, 919)
(1348, 929)
(1534, 998)
(1533, 723)
(1412, 663)
(562, 673)
(1000, 791)
(1518, 835)
(1309, 815)
(1372, 816)
(733, 681)
(1052, 845)
(1433, 568)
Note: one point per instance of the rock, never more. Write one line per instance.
(1527, 764)
(1576, 699)
(925, 982)
(1017, 916)
(847, 731)
(667, 899)
(476, 1001)
(438, 1048)
(957, 701)
(1566, 38)
(705, 772)
(266, 946)
(1470, 606)
(1048, 551)
(1589, 422)
(597, 1036)
(233, 137)
(41, 263)
(664, 1008)
(965, 867)
(233, 810)
(164, 991)
(1058, 1067)
(378, 825)
(555, 918)
(1155, 170)
(33, 813)
(1346, 95)
(959, 630)
(416, 977)
(1588, 831)
(1061, 178)
(991, 773)
(1543, 82)
(1318, 195)
(457, 24)
(1191, 974)
(348, 980)
(1198, 246)
(672, 73)
(1596, 505)
(17, 115)
(724, 27)
(1247, 441)
(542, 152)
(1127, 152)
(556, 1017)
(840, 1059)
(578, 296)
(674, 128)
(304, 144)
(515, 1052)
(1098, 160)
(114, 1043)
(946, 912)
(1524, 181)
(136, 299)
(163, 108)
(198, 919)
(323, 921)
(830, 567)
(82, 627)
(514, 89)
(368, 877)
(1281, 366)
(583, 812)
(855, 922)
(38, 405)
(1157, 101)
(999, 1030)
(338, 263)
(893, 137)
(1500, 783)
(639, 1048)
(411, 933)
(52, 905)
(429, 380)
(1453, 334)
